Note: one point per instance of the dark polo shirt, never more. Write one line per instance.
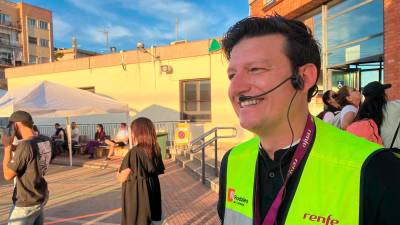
(27, 163)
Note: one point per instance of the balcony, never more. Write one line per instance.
(6, 63)
(9, 25)
(8, 43)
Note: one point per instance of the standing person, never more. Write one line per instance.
(141, 194)
(331, 107)
(120, 140)
(29, 165)
(371, 113)
(349, 100)
(99, 138)
(334, 177)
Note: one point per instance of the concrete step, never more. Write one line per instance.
(192, 163)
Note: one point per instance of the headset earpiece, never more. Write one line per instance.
(297, 81)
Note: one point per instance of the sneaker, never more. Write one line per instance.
(107, 159)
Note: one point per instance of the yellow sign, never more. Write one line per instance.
(182, 134)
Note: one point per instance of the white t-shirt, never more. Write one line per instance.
(391, 119)
(121, 135)
(345, 110)
(328, 117)
(75, 134)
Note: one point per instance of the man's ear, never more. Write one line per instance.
(309, 74)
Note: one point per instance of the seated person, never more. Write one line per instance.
(58, 139)
(99, 138)
(74, 136)
(121, 139)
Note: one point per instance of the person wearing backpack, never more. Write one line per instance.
(28, 165)
(332, 108)
(371, 113)
(349, 99)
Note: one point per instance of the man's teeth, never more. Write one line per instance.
(249, 102)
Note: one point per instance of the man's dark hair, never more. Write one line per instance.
(123, 124)
(301, 47)
(27, 124)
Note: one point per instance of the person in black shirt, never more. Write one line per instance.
(274, 64)
(30, 162)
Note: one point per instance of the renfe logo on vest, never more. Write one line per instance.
(231, 194)
(327, 221)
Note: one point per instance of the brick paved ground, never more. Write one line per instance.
(92, 196)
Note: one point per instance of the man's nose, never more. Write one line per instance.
(240, 84)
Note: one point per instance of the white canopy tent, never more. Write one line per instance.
(47, 99)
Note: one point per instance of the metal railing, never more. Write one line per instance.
(111, 129)
(201, 144)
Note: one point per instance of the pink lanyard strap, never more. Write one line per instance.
(302, 148)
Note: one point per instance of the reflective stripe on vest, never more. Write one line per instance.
(329, 188)
(240, 183)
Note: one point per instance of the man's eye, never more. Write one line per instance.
(230, 76)
(256, 70)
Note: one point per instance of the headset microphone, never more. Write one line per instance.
(245, 98)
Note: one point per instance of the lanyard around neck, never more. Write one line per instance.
(302, 148)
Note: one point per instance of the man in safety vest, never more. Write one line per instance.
(298, 169)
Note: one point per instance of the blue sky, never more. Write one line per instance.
(128, 21)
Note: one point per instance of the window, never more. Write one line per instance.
(44, 60)
(5, 19)
(90, 89)
(32, 59)
(31, 22)
(268, 2)
(32, 40)
(44, 43)
(196, 100)
(43, 25)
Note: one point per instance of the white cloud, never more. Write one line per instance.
(193, 21)
(62, 29)
(94, 7)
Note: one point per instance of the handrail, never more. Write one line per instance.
(201, 137)
(203, 144)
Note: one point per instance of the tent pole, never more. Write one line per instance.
(69, 133)
(129, 130)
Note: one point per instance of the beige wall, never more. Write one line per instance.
(11, 10)
(146, 90)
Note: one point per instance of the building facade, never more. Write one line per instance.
(359, 38)
(166, 83)
(26, 36)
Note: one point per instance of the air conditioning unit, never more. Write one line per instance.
(166, 68)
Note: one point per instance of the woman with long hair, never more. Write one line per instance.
(138, 173)
(99, 138)
(371, 113)
(349, 100)
(331, 107)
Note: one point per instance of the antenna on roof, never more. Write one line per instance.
(105, 33)
(177, 28)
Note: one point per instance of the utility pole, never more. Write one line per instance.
(177, 28)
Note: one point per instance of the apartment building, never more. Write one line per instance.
(26, 36)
